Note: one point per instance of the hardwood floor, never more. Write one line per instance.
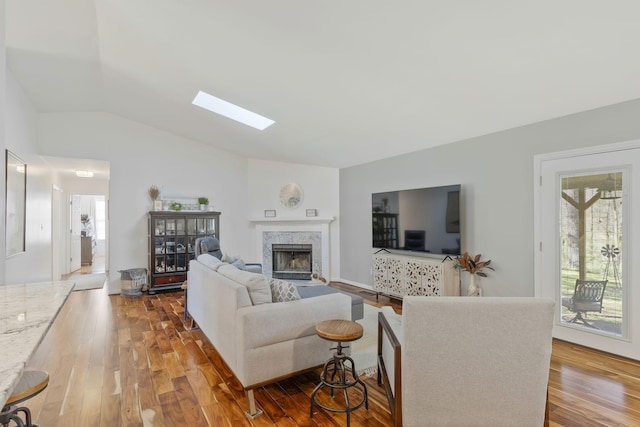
(97, 266)
(117, 361)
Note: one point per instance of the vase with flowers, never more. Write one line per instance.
(154, 194)
(474, 266)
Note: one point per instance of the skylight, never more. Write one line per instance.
(227, 109)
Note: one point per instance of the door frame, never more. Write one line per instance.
(629, 346)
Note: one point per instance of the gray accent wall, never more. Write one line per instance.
(496, 174)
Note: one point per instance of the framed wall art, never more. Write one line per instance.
(15, 203)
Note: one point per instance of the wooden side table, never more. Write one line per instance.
(339, 372)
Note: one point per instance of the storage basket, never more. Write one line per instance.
(132, 281)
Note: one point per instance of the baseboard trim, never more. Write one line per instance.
(352, 283)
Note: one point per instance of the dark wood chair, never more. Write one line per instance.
(587, 297)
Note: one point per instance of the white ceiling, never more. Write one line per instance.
(346, 82)
(67, 167)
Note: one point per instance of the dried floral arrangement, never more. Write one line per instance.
(154, 193)
(473, 264)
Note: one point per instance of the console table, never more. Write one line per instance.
(26, 313)
(398, 275)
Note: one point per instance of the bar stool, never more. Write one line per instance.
(340, 366)
(31, 383)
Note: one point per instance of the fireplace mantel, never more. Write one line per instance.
(293, 221)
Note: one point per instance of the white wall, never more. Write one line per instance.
(139, 157)
(496, 173)
(21, 135)
(2, 138)
(320, 186)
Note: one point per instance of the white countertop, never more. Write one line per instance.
(26, 313)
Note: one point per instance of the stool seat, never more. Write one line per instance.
(31, 383)
(339, 330)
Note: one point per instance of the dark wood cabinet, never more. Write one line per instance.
(172, 237)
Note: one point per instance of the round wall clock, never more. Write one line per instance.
(291, 195)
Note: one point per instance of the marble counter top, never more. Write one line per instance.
(26, 313)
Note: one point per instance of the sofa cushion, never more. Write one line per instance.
(210, 261)
(357, 302)
(283, 291)
(256, 284)
(394, 319)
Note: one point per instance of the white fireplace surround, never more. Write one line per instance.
(314, 231)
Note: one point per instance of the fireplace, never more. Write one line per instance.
(292, 261)
(306, 231)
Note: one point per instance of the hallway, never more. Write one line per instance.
(98, 266)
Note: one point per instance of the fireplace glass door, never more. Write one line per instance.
(292, 261)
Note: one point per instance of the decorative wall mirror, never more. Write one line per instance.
(291, 195)
(15, 204)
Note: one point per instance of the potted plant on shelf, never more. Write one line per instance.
(203, 201)
(474, 266)
(154, 194)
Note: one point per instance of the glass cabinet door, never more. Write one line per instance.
(210, 226)
(191, 226)
(180, 226)
(201, 229)
(170, 227)
(159, 227)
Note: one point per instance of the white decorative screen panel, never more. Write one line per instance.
(399, 275)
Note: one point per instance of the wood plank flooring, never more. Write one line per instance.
(117, 361)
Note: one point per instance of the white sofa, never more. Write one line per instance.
(470, 361)
(260, 343)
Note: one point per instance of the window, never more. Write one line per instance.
(100, 218)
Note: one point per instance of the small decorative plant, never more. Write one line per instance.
(473, 264)
(203, 200)
(176, 206)
(154, 193)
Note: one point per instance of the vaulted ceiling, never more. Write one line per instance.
(347, 82)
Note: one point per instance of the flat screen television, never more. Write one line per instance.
(420, 220)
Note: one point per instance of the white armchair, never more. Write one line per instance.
(466, 361)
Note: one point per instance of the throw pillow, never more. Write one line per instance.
(239, 264)
(256, 284)
(210, 261)
(228, 258)
(282, 291)
(234, 260)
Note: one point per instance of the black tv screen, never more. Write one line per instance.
(419, 220)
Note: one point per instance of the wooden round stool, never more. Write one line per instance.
(338, 366)
(31, 383)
